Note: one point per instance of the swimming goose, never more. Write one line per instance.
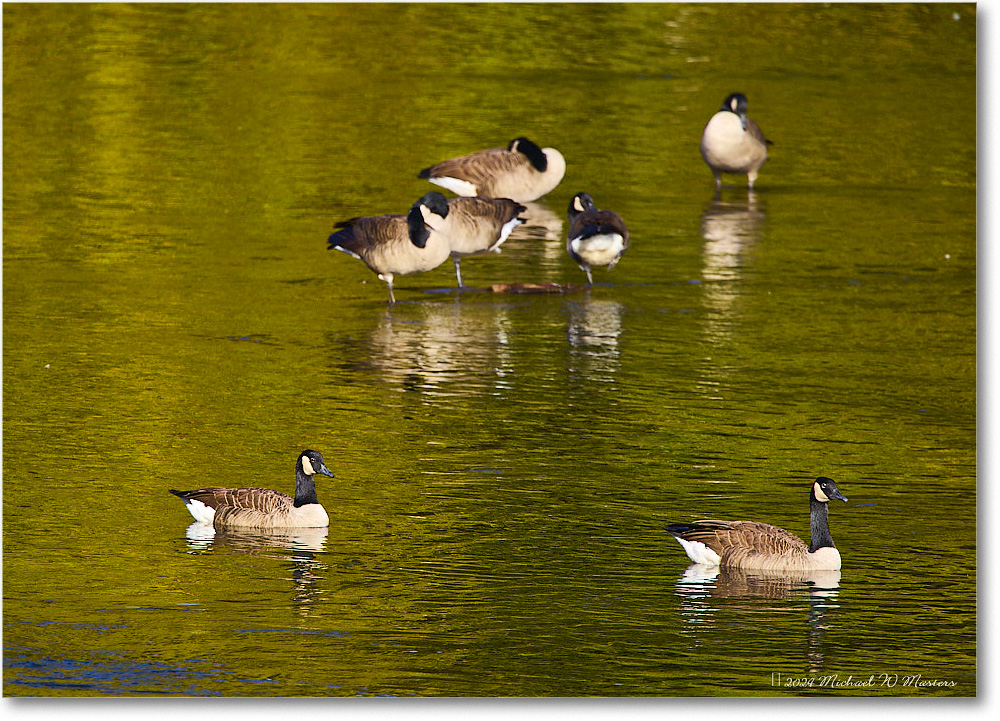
(394, 245)
(476, 225)
(262, 507)
(596, 237)
(750, 545)
(733, 143)
(522, 172)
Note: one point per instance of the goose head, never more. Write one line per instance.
(432, 207)
(737, 103)
(581, 203)
(535, 155)
(824, 490)
(311, 463)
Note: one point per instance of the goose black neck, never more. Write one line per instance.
(305, 489)
(819, 526)
(417, 228)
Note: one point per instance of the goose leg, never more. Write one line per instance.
(387, 277)
(458, 271)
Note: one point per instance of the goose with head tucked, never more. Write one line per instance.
(476, 225)
(750, 545)
(733, 143)
(522, 172)
(596, 237)
(394, 245)
(263, 508)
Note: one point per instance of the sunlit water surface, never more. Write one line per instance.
(505, 463)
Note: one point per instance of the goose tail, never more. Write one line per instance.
(343, 239)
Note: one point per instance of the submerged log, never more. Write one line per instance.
(524, 288)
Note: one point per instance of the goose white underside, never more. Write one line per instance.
(699, 552)
(459, 187)
(505, 231)
(200, 512)
(598, 249)
(349, 252)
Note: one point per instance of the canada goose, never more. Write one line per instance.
(733, 143)
(750, 545)
(262, 507)
(476, 225)
(522, 172)
(596, 237)
(394, 245)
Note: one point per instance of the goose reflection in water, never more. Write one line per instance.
(202, 536)
(538, 247)
(729, 230)
(303, 543)
(719, 582)
(595, 326)
(435, 348)
(707, 591)
(540, 222)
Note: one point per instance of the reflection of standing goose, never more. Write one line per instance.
(539, 223)
(476, 225)
(522, 172)
(733, 143)
(435, 348)
(752, 545)
(596, 237)
(394, 245)
(262, 507)
(729, 228)
(593, 331)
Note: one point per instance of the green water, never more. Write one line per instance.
(505, 463)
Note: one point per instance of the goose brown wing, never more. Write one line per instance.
(263, 500)
(756, 132)
(358, 235)
(500, 210)
(485, 215)
(599, 222)
(478, 168)
(726, 537)
(253, 507)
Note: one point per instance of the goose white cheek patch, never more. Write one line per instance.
(820, 496)
(307, 467)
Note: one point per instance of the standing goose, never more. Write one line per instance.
(733, 143)
(749, 545)
(596, 237)
(261, 507)
(522, 172)
(476, 225)
(394, 245)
